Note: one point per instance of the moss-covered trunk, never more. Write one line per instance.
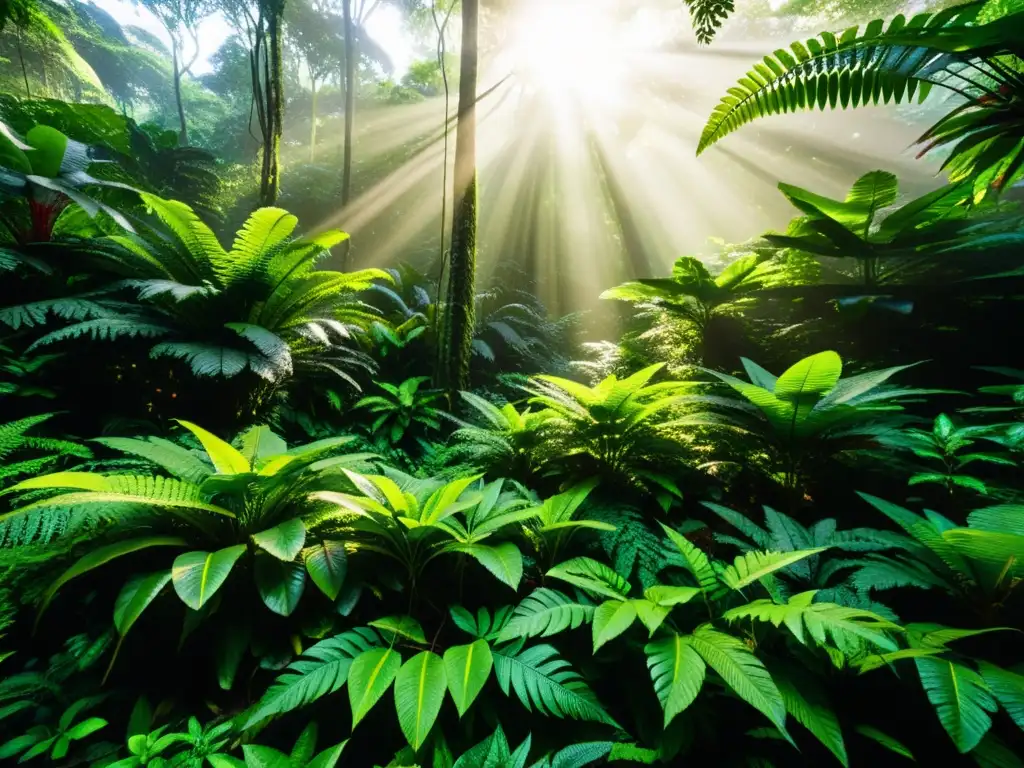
(274, 88)
(461, 320)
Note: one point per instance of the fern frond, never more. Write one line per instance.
(821, 622)
(545, 612)
(105, 329)
(543, 680)
(858, 67)
(708, 16)
(322, 670)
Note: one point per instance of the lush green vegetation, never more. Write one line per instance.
(260, 508)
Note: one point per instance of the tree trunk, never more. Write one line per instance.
(274, 76)
(460, 310)
(183, 128)
(351, 57)
(21, 58)
(312, 123)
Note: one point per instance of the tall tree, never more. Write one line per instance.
(259, 23)
(460, 314)
(312, 31)
(355, 14)
(181, 19)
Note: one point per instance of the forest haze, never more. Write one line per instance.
(507, 383)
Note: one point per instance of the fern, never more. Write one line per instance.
(545, 612)
(543, 680)
(753, 566)
(894, 63)
(175, 459)
(105, 329)
(631, 545)
(322, 670)
(822, 623)
(708, 17)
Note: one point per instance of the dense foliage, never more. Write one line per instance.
(244, 521)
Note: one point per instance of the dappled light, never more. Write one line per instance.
(511, 383)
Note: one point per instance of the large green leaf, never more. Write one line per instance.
(280, 584)
(198, 575)
(742, 671)
(103, 555)
(419, 692)
(284, 541)
(467, 668)
(401, 626)
(1008, 688)
(369, 678)
(961, 699)
(807, 703)
(807, 381)
(753, 566)
(327, 564)
(322, 670)
(225, 457)
(611, 619)
(135, 596)
(696, 561)
(545, 612)
(504, 560)
(592, 576)
(884, 740)
(541, 679)
(677, 671)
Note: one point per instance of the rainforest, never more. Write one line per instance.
(511, 383)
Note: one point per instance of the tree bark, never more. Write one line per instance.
(183, 128)
(460, 306)
(274, 76)
(351, 57)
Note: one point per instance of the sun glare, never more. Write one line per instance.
(576, 49)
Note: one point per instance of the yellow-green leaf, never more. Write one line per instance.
(611, 619)
(198, 575)
(467, 668)
(227, 459)
(327, 564)
(419, 693)
(369, 677)
(284, 541)
(135, 596)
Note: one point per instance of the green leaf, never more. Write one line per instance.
(545, 612)
(742, 671)
(259, 756)
(280, 584)
(504, 560)
(669, 596)
(885, 740)
(809, 379)
(85, 728)
(198, 575)
(227, 460)
(651, 615)
(677, 671)
(592, 576)
(753, 566)
(327, 565)
(811, 709)
(696, 561)
(401, 626)
(467, 668)
(419, 692)
(102, 556)
(136, 595)
(284, 541)
(1008, 688)
(369, 678)
(322, 670)
(329, 757)
(961, 700)
(541, 679)
(611, 619)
